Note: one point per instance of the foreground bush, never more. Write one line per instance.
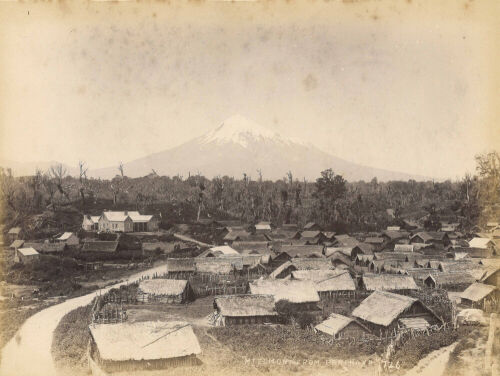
(71, 338)
(416, 348)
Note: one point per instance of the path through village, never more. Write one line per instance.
(28, 353)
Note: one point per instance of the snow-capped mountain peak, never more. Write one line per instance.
(239, 130)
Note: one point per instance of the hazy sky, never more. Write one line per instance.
(398, 85)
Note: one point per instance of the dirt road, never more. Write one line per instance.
(28, 352)
(433, 364)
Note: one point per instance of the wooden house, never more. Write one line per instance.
(363, 249)
(14, 233)
(479, 295)
(437, 239)
(450, 281)
(384, 313)
(26, 255)
(127, 221)
(164, 291)
(179, 268)
(339, 326)
(363, 260)
(68, 238)
(244, 309)
(130, 347)
(328, 283)
(491, 276)
(376, 241)
(263, 227)
(90, 222)
(487, 245)
(18, 243)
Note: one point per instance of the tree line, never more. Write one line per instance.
(330, 200)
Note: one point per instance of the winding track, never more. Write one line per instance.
(28, 353)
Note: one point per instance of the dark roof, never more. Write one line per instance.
(100, 246)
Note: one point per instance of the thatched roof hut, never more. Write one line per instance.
(382, 309)
(242, 309)
(450, 280)
(130, 346)
(338, 325)
(181, 265)
(388, 282)
(164, 291)
(292, 291)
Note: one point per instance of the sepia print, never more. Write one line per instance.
(249, 188)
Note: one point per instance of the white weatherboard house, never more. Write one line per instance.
(121, 221)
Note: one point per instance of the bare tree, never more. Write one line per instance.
(82, 180)
(120, 168)
(49, 186)
(58, 173)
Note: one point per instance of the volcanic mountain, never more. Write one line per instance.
(240, 146)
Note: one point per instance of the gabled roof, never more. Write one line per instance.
(302, 250)
(280, 269)
(366, 248)
(347, 251)
(477, 292)
(15, 231)
(394, 235)
(245, 305)
(382, 307)
(481, 243)
(17, 243)
(161, 286)
(223, 250)
(388, 282)
(65, 236)
(342, 281)
(121, 216)
(27, 251)
(144, 340)
(453, 278)
(335, 323)
(290, 290)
